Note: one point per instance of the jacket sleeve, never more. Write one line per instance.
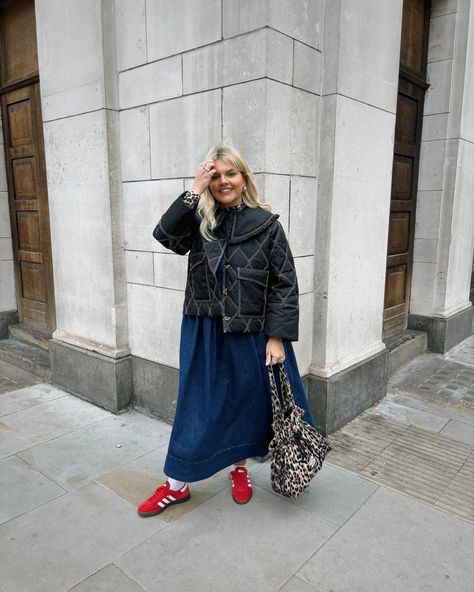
(177, 227)
(282, 310)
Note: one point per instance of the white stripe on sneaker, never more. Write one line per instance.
(167, 501)
(173, 499)
(162, 505)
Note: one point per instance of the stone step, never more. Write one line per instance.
(33, 358)
(404, 347)
(30, 335)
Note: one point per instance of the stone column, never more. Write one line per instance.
(8, 305)
(444, 232)
(358, 108)
(78, 77)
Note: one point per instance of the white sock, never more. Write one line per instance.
(175, 485)
(235, 466)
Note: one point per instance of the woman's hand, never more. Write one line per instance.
(203, 177)
(275, 351)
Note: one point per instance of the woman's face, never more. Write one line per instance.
(226, 184)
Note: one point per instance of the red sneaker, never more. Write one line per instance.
(162, 498)
(241, 485)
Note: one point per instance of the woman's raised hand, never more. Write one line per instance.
(203, 176)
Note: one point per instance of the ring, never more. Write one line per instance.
(202, 165)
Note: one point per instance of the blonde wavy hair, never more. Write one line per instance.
(208, 205)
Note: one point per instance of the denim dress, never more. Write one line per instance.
(224, 411)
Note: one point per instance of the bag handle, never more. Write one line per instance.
(287, 396)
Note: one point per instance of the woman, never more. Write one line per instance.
(240, 315)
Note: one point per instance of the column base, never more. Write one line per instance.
(444, 334)
(99, 379)
(339, 398)
(155, 389)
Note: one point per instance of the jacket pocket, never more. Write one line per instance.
(252, 289)
(198, 276)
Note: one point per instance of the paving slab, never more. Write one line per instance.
(28, 397)
(416, 402)
(410, 416)
(296, 584)
(458, 430)
(136, 481)
(334, 494)
(79, 457)
(227, 546)
(463, 353)
(12, 377)
(68, 539)
(395, 544)
(11, 441)
(54, 418)
(109, 579)
(22, 488)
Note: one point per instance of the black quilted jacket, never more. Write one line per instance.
(260, 288)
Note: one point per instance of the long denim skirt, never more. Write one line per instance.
(223, 411)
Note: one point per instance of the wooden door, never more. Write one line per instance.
(411, 92)
(25, 164)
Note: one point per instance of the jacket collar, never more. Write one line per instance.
(246, 222)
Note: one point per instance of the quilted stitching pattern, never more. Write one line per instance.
(246, 238)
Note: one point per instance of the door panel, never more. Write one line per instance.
(411, 92)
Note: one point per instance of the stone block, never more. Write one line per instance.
(244, 113)
(155, 388)
(244, 16)
(76, 84)
(170, 270)
(437, 97)
(362, 148)
(303, 204)
(441, 37)
(435, 127)
(135, 144)
(154, 323)
(6, 250)
(144, 204)
(3, 172)
(275, 189)
(255, 55)
(99, 379)
(440, 7)
(79, 153)
(425, 250)
(139, 267)
(304, 269)
(432, 158)
(443, 333)
(428, 207)
(181, 132)
(303, 22)
(5, 228)
(150, 83)
(7, 281)
(307, 65)
(351, 66)
(291, 130)
(130, 27)
(303, 347)
(178, 26)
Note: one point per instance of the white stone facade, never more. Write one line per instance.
(308, 92)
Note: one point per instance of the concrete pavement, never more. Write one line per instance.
(392, 509)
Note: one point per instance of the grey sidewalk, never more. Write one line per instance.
(392, 509)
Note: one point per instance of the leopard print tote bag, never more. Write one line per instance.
(298, 449)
